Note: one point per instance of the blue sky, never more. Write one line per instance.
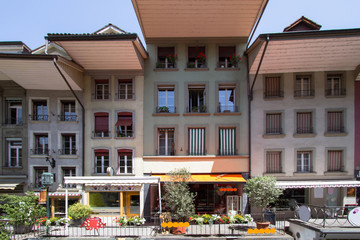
(30, 20)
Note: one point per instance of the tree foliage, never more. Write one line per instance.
(79, 211)
(177, 195)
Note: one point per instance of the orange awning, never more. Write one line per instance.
(208, 178)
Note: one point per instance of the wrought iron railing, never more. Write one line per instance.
(39, 117)
(101, 134)
(68, 118)
(304, 93)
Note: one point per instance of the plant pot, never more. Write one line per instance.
(178, 230)
(22, 228)
(262, 225)
(76, 222)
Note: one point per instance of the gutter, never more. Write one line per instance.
(257, 23)
(83, 116)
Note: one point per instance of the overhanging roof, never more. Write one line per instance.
(113, 180)
(197, 18)
(331, 50)
(38, 72)
(209, 178)
(103, 51)
(317, 184)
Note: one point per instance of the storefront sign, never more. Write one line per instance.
(357, 174)
(111, 188)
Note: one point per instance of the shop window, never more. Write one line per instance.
(272, 88)
(273, 123)
(196, 57)
(335, 85)
(335, 160)
(125, 89)
(101, 160)
(101, 128)
(225, 53)
(196, 99)
(335, 122)
(125, 161)
(166, 99)
(14, 111)
(227, 141)
(124, 125)
(104, 200)
(40, 110)
(102, 89)
(68, 172)
(196, 141)
(303, 161)
(303, 86)
(304, 123)
(68, 113)
(227, 99)
(41, 146)
(166, 141)
(166, 57)
(273, 162)
(38, 171)
(68, 144)
(14, 153)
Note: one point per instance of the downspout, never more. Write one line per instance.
(250, 96)
(83, 116)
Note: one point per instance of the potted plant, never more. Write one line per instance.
(23, 211)
(178, 197)
(262, 191)
(163, 109)
(201, 58)
(171, 58)
(78, 213)
(234, 60)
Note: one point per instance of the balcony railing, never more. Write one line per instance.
(304, 93)
(67, 118)
(105, 96)
(128, 133)
(273, 94)
(165, 65)
(196, 64)
(13, 121)
(335, 92)
(165, 109)
(197, 109)
(38, 117)
(273, 131)
(226, 108)
(39, 151)
(124, 96)
(101, 134)
(162, 152)
(334, 129)
(304, 130)
(226, 64)
(228, 152)
(68, 151)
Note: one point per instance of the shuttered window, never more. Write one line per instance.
(227, 141)
(335, 122)
(273, 123)
(334, 160)
(196, 141)
(101, 124)
(304, 122)
(272, 87)
(273, 162)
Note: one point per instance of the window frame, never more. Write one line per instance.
(300, 131)
(235, 140)
(173, 148)
(102, 152)
(18, 111)
(125, 152)
(226, 62)
(72, 150)
(125, 81)
(104, 134)
(205, 141)
(165, 87)
(37, 177)
(279, 92)
(281, 160)
(18, 153)
(302, 165)
(35, 116)
(161, 61)
(193, 61)
(132, 130)
(343, 122)
(236, 91)
(280, 128)
(72, 115)
(342, 160)
(63, 169)
(330, 92)
(304, 93)
(36, 143)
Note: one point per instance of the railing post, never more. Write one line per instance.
(324, 217)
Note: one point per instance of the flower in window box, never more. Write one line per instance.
(171, 58)
(201, 58)
(163, 109)
(234, 59)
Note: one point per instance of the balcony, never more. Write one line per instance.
(68, 151)
(101, 134)
(68, 118)
(38, 117)
(304, 93)
(125, 96)
(166, 65)
(124, 134)
(335, 92)
(39, 151)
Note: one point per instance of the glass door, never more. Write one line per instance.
(132, 204)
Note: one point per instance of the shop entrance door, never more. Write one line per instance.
(233, 204)
(132, 204)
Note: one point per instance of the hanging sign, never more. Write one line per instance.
(109, 187)
(42, 196)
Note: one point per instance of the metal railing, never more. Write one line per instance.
(273, 94)
(335, 92)
(127, 134)
(304, 93)
(304, 130)
(165, 109)
(38, 117)
(274, 131)
(197, 109)
(68, 151)
(225, 108)
(101, 134)
(39, 151)
(125, 96)
(68, 118)
(13, 121)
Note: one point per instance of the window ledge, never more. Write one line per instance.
(68, 156)
(281, 174)
(196, 114)
(12, 167)
(34, 121)
(304, 135)
(166, 114)
(335, 96)
(273, 98)
(67, 122)
(124, 138)
(125, 174)
(339, 173)
(227, 114)
(38, 156)
(166, 69)
(227, 69)
(304, 173)
(269, 136)
(304, 97)
(196, 69)
(335, 134)
(99, 138)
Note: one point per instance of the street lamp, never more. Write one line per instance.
(47, 179)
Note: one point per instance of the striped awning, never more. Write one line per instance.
(9, 186)
(209, 178)
(317, 184)
(196, 141)
(60, 194)
(227, 141)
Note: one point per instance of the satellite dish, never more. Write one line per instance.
(354, 216)
(304, 213)
(110, 171)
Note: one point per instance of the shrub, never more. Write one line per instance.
(79, 211)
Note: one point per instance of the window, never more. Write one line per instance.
(101, 160)
(38, 171)
(14, 153)
(165, 59)
(125, 89)
(40, 110)
(41, 144)
(303, 86)
(68, 113)
(68, 172)
(68, 144)
(334, 85)
(124, 125)
(227, 99)
(224, 56)
(196, 141)
(335, 161)
(197, 98)
(196, 57)
(304, 122)
(273, 123)
(273, 162)
(227, 141)
(102, 89)
(125, 161)
(166, 99)
(273, 87)
(101, 125)
(166, 141)
(335, 122)
(14, 111)
(303, 161)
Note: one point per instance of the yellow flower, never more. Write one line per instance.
(70, 218)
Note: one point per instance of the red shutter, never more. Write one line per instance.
(164, 51)
(101, 152)
(124, 151)
(193, 52)
(102, 123)
(225, 52)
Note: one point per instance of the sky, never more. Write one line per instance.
(30, 20)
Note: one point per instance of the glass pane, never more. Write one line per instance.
(104, 199)
(134, 204)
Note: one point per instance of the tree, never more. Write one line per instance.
(262, 191)
(177, 195)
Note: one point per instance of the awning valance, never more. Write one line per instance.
(60, 194)
(210, 178)
(317, 184)
(112, 180)
(9, 186)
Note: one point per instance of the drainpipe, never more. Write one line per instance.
(83, 116)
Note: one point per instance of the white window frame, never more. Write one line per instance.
(227, 91)
(166, 140)
(125, 164)
(63, 169)
(72, 139)
(18, 110)
(301, 167)
(102, 90)
(18, 155)
(103, 169)
(166, 89)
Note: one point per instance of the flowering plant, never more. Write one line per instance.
(223, 219)
(123, 221)
(201, 58)
(234, 59)
(171, 58)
